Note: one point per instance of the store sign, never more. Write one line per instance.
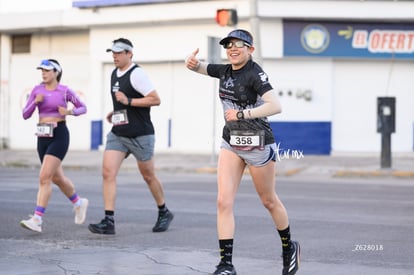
(348, 40)
(108, 3)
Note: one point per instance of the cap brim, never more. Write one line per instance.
(228, 38)
(225, 40)
(117, 49)
(45, 67)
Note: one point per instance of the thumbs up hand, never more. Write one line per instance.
(192, 61)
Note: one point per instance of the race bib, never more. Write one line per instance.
(120, 117)
(247, 140)
(45, 129)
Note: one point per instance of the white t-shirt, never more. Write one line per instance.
(139, 80)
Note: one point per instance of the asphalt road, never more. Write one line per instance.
(345, 226)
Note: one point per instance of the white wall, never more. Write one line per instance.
(357, 85)
(298, 76)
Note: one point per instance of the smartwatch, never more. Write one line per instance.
(240, 115)
(129, 101)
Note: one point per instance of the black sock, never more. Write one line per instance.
(162, 208)
(226, 251)
(285, 237)
(109, 214)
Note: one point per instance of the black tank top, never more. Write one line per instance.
(140, 123)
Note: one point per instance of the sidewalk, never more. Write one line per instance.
(355, 165)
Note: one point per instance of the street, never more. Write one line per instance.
(344, 226)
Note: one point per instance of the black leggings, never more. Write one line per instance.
(57, 145)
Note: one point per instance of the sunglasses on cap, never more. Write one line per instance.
(237, 44)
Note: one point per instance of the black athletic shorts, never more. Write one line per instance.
(57, 145)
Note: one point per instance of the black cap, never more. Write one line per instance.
(238, 34)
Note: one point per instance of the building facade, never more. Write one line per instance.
(329, 61)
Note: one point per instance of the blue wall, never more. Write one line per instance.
(312, 138)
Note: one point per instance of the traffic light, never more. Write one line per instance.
(226, 17)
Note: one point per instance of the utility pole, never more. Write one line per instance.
(255, 27)
(214, 57)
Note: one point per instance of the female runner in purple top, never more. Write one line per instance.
(51, 100)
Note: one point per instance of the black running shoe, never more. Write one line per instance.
(291, 259)
(163, 221)
(225, 269)
(106, 226)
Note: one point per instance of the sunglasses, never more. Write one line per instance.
(237, 44)
(46, 62)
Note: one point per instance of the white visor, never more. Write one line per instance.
(49, 65)
(120, 47)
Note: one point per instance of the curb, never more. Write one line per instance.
(363, 174)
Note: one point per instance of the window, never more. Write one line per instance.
(21, 43)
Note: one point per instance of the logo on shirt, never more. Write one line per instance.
(115, 88)
(229, 83)
(263, 77)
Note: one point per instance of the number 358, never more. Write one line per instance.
(244, 140)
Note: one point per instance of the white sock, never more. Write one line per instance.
(78, 203)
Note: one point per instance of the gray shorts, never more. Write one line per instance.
(254, 157)
(141, 147)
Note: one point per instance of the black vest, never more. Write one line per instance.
(139, 117)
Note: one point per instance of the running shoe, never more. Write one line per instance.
(225, 269)
(106, 226)
(80, 211)
(163, 221)
(291, 259)
(33, 224)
